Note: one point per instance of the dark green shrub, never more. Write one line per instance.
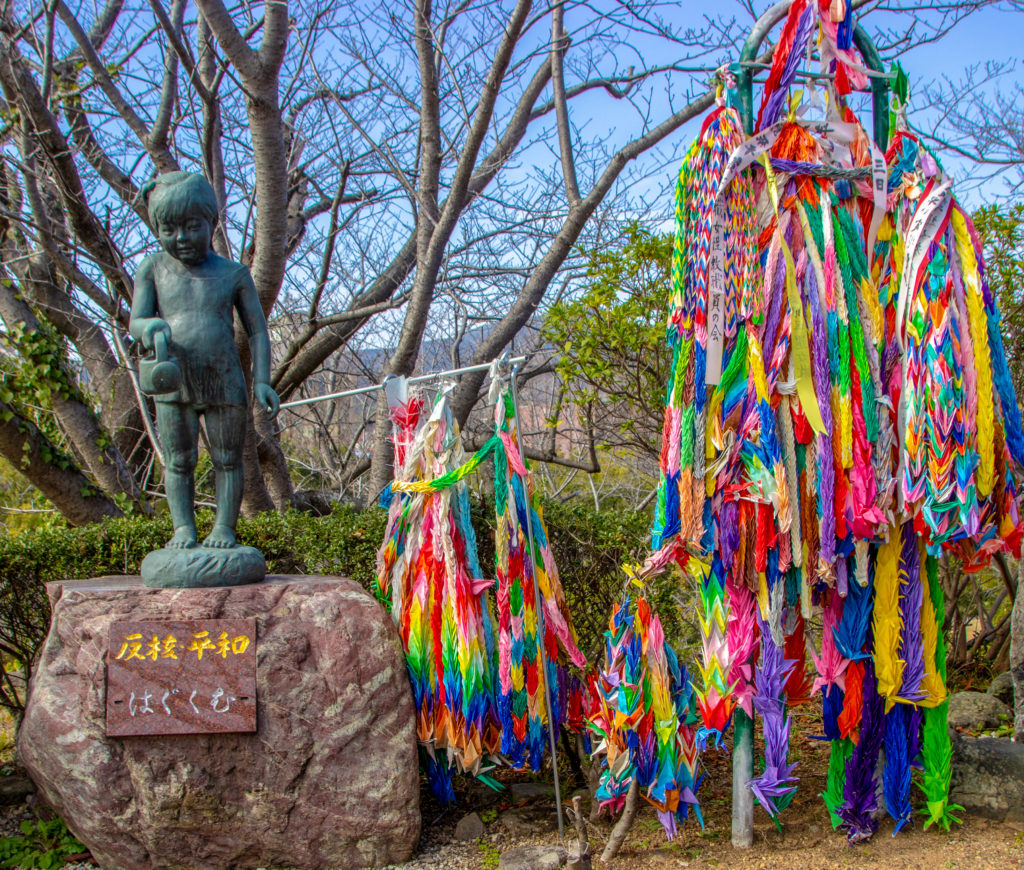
(588, 547)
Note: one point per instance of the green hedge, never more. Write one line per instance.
(588, 547)
(344, 542)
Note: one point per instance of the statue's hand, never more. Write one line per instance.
(155, 325)
(267, 399)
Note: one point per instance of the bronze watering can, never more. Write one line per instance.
(159, 374)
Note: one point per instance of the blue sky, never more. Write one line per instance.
(994, 33)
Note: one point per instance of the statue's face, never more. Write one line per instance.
(187, 239)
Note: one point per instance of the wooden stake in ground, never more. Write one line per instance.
(578, 855)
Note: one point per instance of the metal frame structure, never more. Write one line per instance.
(744, 71)
(419, 379)
(747, 67)
(514, 363)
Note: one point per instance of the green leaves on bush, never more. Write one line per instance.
(589, 548)
(43, 845)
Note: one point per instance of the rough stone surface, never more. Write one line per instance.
(529, 821)
(531, 858)
(1017, 657)
(470, 827)
(976, 711)
(14, 789)
(329, 780)
(528, 791)
(201, 567)
(988, 777)
(1002, 688)
(481, 795)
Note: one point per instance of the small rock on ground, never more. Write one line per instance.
(523, 791)
(1002, 688)
(470, 827)
(14, 789)
(976, 711)
(532, 858)
(988, 777)
(528, 821)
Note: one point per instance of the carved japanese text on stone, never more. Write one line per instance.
(195, 676)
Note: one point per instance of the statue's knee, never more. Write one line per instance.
(182, 461)
(224, 461)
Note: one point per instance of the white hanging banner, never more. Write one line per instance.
(928, 217)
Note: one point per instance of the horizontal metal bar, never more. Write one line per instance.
(483, 367)
(342, 395)
(807, 74)
(419, 379)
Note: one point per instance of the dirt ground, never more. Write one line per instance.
(804, 844)
(806, 840)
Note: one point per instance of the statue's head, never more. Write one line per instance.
(183, 210)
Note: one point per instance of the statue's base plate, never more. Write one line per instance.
(202, 567)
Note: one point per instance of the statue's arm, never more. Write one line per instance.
(255, 324)
(144, 320)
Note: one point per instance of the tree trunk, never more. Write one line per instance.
(624, 823)
(76, 419)
(105, 463)
(255, 497)
(273, 464)
(40, 286)
(1017, 655)
(24, 446)
(579, 858)
(259, 71)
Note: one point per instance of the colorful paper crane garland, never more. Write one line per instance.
(643, 718)
(427, 572)
(838, 413)
(475, 669)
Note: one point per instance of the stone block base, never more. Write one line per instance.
(329, 779)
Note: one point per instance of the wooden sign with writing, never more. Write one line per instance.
(186, 676)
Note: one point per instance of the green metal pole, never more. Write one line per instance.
(879, 86)
(745, 75)
(742, 773)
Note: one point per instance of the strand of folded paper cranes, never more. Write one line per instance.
(479, 663)
(474, 662)
(838, 413)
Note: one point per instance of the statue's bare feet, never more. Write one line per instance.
(221, 538)
(182, 539)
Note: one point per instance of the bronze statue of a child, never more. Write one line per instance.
(189, 294)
